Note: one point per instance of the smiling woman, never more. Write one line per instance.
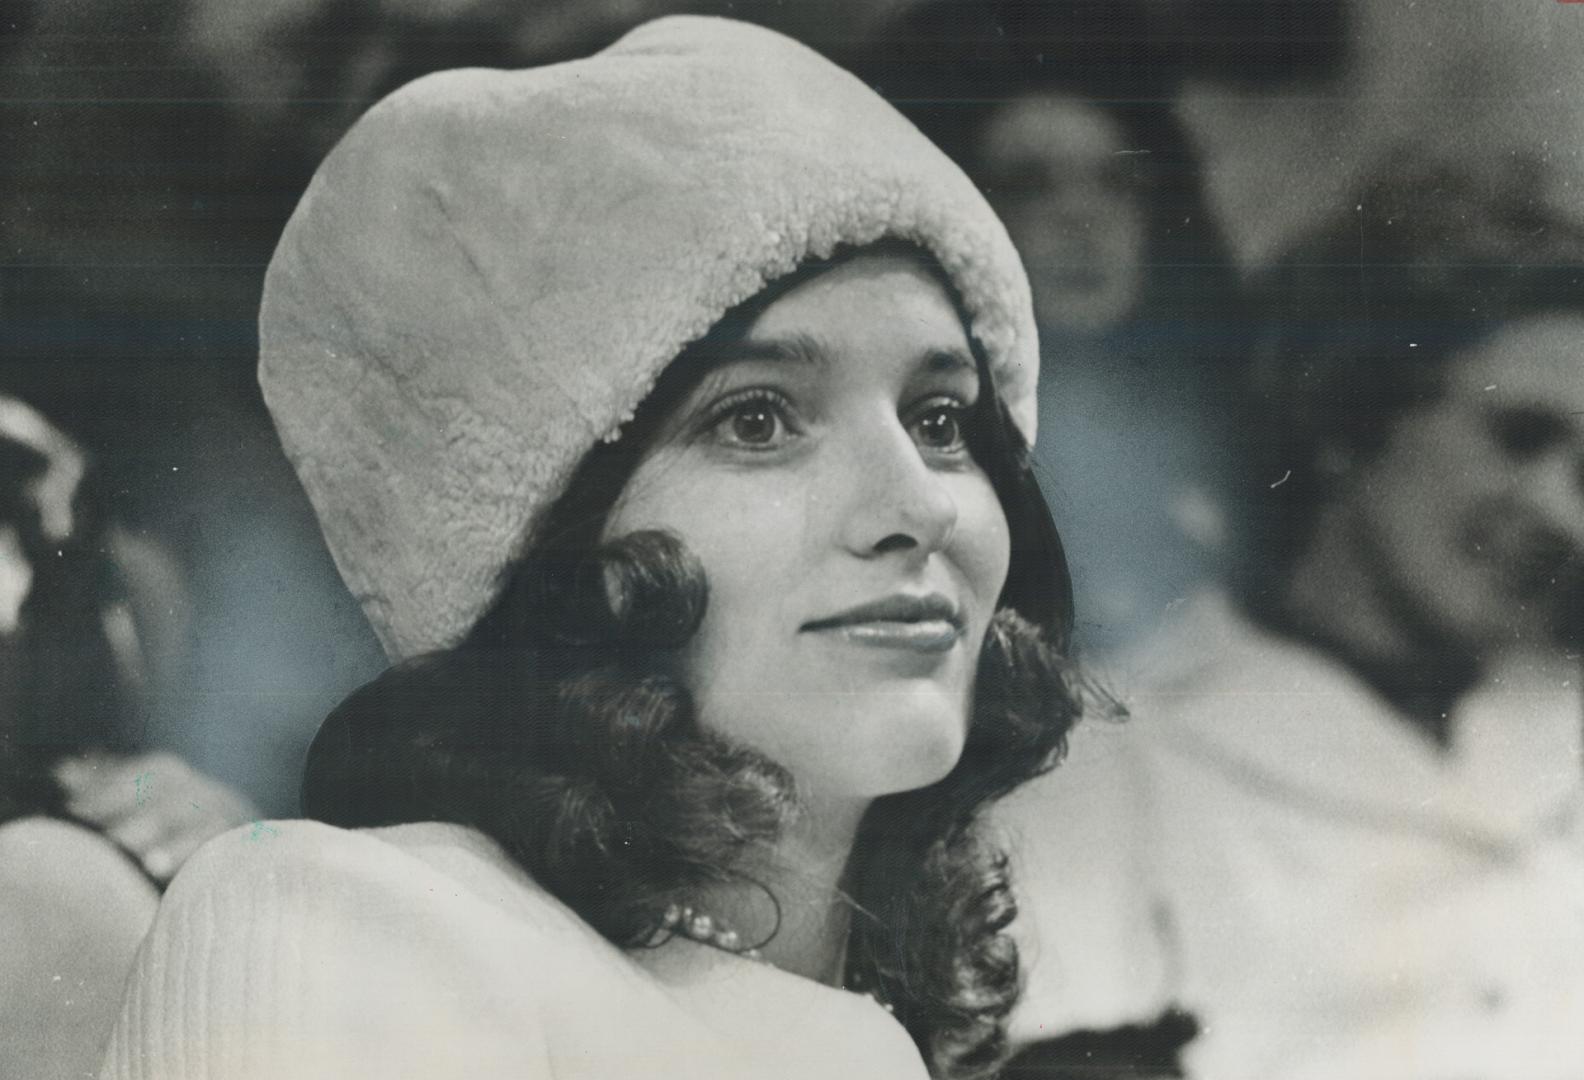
(686, 478)
(853, 546)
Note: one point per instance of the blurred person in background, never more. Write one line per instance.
(1062, 114)
(1138, 301)
(1344, 826)
(89, 829)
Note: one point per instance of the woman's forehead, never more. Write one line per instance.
(814, 351)
(884, 313)
(826, 365)
(874, 299)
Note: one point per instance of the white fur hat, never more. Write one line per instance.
(488, 273)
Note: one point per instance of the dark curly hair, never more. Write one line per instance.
(560, 729)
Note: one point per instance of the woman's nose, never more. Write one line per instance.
(898, 502)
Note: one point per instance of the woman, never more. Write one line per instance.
(667, 411)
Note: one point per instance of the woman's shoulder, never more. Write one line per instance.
(34, 846)
(62, 872)
(72, 911)
(307, 950)
(433, 879)
(279, 857)
(296, 949)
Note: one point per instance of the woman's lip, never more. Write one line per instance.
(922, 635)
(898, 608)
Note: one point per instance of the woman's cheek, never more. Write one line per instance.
(742, 525)
(984, 539)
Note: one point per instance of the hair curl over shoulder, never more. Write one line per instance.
(560, 729)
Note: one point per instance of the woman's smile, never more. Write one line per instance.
(920, 624)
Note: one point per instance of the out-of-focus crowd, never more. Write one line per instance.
(1308, 279)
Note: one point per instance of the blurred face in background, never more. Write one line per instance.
(1059, 172)
(1473, 511)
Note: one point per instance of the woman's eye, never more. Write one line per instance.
(755, 425)
(940, 427)
(758, 423)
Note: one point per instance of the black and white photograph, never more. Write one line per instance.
(792, 539)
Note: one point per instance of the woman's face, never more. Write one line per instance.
(1473, 511)
(1057, 168)
(854, 549)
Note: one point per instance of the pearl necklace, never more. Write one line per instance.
(703, 928)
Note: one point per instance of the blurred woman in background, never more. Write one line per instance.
(1140, 315)
(1062, 114)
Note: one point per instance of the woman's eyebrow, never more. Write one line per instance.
(799, 348)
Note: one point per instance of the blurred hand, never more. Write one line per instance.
(155, 805)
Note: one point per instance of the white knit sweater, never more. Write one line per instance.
(72, 910)
(292, 949)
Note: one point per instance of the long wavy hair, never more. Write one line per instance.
(560, 728)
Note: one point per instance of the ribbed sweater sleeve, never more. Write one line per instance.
(292, 949)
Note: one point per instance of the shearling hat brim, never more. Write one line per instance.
(490, 270)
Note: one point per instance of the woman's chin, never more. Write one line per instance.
(849, 737)
(917, 749)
